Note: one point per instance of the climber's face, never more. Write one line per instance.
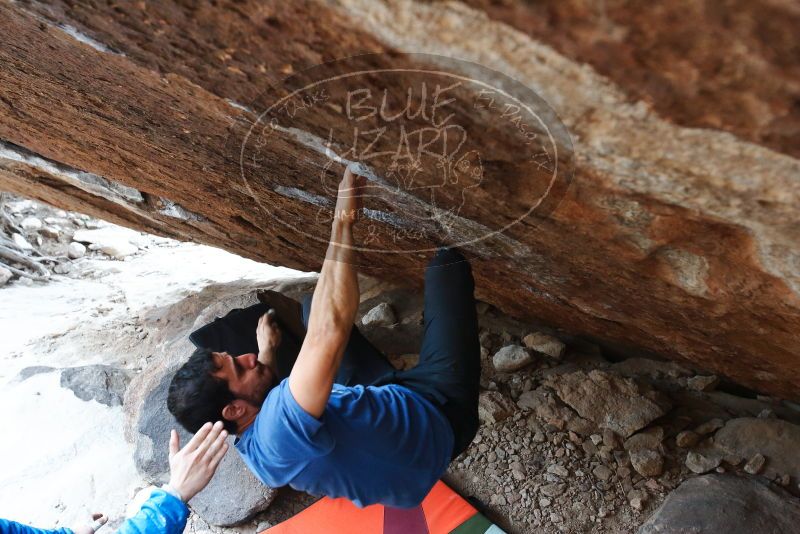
(246, 377)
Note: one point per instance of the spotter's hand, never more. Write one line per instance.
(191, 468)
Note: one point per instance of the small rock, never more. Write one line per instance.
(498, 500)
(545, 344)
(552, 490)
(702, 383)
(493, 407)
(699, 463)
(511, 358)
(5, 276)
(62, 268)
(380, 315)
(51, 232)
(21, 206)
(637, 498)
(119, 250)
(686, 439)
(556, 518)
(646, 439)
(559, 470)
(710, 426)
(610, 438)
(766, 413)
(647, 462)
(102, 383)
(596, 438)
(21, 242)
(544, 502)
(602, 472)
(76, 250)
(31, 224)
(755, 464)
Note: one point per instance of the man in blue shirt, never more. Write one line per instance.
(345, 423)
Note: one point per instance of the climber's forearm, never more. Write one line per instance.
(333, 311)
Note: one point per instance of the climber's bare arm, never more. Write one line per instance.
(333, 307)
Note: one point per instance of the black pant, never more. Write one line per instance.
(448, 372)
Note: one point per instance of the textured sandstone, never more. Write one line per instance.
(675, 240)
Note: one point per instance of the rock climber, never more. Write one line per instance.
(345, 423)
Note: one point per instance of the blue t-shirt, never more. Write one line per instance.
(383, 444)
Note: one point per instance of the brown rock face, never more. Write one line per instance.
(730, 65)
(654, 236)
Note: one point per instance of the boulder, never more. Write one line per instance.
(512, 358)
(609, 400)
(102, 383)
(775, 439)
(682, 198)
(725, 503)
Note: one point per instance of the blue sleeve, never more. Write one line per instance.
(288, 432)
(162, 513)
(12, 527)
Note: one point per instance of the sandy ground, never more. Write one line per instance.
(60, 457)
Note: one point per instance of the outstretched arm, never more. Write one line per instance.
(333, 308)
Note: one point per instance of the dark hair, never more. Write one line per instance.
(195, 397)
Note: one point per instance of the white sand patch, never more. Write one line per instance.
(60, 457)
